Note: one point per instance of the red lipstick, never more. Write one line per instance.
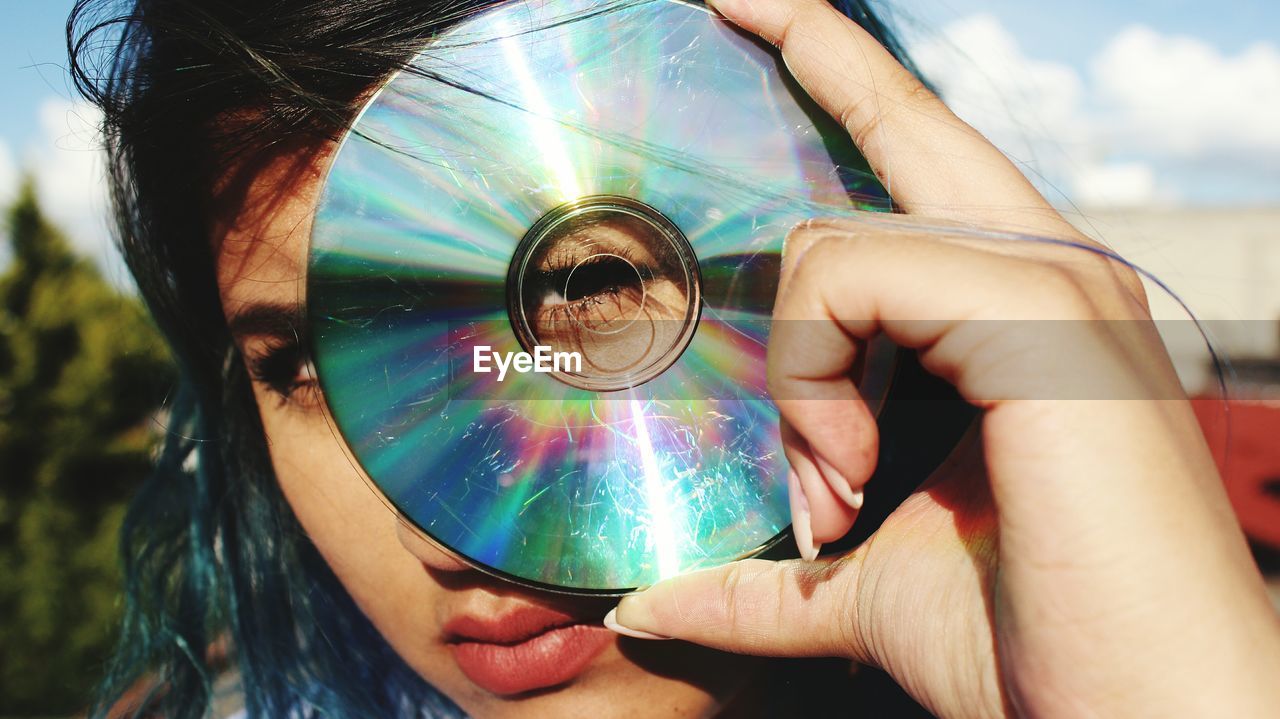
(526, 649)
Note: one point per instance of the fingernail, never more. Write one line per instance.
(839, 484)
(611, 622)
(801, 524)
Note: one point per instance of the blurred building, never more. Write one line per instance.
(1225, 265)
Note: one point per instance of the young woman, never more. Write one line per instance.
(1074, 557)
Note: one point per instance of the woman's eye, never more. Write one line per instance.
(595, 294)
(303, 389)
(605, 275)
(287, 372)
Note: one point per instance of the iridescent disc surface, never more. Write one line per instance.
(508, 116)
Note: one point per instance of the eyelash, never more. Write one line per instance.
(556, 273)
(560, 264)
(278, 368)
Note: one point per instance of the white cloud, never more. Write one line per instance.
(988, 80)
(68, 168)
(1031, 109)
(66, 161)
(1178, 95)
(1152, 111)
(8, 173)
(8, 187)
(1126, 184)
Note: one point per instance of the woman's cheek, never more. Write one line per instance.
(356, 533)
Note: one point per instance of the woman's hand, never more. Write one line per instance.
(1077, 556)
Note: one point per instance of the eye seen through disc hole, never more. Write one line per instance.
(596, 280)
(611, 279)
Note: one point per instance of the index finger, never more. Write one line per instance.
(929, 160)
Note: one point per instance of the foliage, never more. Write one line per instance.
(81, 372)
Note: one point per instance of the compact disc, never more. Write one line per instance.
(540, 282)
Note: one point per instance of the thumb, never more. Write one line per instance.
(755, 606)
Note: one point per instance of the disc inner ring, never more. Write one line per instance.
(611, 279)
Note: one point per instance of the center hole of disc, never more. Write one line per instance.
(611, 279)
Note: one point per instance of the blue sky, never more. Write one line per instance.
(32, 64)
(1084, 59)
(32, 57)
(1071, 31)
(1141, 102)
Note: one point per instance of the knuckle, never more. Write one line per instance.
(826, 237)
(795, 15)
(798, 240)
(863, 127)
(848, 634)
(826, 245)
(864, 117)
(1058, 292)
(1099, 268)
(811, 267)
(743, 619)
(915, 89)
(1105, 277)
(860, 117)
(731, 582)
(801, 246)
(1131, 283)
(1115, 279)
(1053, 278)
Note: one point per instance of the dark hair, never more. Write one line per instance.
(188, 89)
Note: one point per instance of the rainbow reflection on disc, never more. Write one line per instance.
(513, 113)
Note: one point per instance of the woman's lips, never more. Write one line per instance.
(530, 648)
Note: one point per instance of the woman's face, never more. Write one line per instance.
(495, 648)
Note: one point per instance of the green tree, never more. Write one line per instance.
(81, 369)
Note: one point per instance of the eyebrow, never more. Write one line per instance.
(265, 319)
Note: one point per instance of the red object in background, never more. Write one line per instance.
(1249, 459)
